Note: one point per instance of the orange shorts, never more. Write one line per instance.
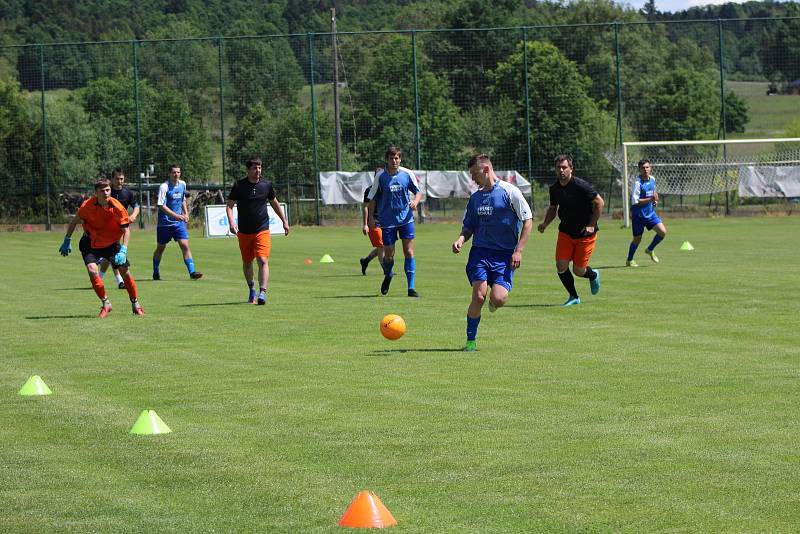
(576, 250)
(254, 245)
(375, 237)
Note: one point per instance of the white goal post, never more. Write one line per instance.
(710, 166)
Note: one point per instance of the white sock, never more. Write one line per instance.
(118, 277)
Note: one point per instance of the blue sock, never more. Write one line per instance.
(156, 263)
(632, 250)
(189, 265)
(387, 265)
(656, 240)
(410, 266)
(472, 327)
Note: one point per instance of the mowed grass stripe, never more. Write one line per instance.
(666, 402)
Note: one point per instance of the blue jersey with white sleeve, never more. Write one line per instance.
(643, 189)
(172, 196)
(495, 217)
(390, 193)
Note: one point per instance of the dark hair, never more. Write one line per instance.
(253, 160)
(391, 151)
(118, 170)
(476, 158)
(173, 166)
(643, 161)
(102, 183)
(562, 157)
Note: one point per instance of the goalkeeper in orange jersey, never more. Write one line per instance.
(106, 222)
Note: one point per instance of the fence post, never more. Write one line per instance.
(135, 52)
(44, 141)
(220, 42)
(620, 128)
(416, 113)
(722, 118)
(313, 125)
(528, 113)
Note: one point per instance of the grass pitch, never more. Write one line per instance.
(668, 402)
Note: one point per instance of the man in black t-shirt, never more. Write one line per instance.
(250, 196)
(128, 199)
(578, 206)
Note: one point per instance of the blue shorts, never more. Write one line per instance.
(164, 234)
(390, 235)
(493, 266)
(640, 223)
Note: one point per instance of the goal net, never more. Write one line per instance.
(752, 167)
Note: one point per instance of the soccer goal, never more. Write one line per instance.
(753, 167)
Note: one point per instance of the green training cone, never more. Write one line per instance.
(687, 246)
(149, 423)
(326, 259)
(35, 386)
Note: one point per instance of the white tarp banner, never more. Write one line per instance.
(348, 187)
(769, 181)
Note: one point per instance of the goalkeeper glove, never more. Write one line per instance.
(66, 246)
(121, 256)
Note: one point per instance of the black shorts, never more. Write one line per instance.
(96, 255)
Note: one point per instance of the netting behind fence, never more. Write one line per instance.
(73, 112)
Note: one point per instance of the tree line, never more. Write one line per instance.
(446, 93)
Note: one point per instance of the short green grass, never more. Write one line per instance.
(668, 402)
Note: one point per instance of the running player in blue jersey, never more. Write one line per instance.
(389, 203)
(173, 214)
(644, 200)
(499, 220)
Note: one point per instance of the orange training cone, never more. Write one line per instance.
(367, 511)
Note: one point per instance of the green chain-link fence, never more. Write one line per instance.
(73, 112)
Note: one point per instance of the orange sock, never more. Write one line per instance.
(130, 285)
(99, 288)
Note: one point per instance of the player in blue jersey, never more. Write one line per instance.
(389, 203)
(173, 214)
(644, 200)
(499, 221)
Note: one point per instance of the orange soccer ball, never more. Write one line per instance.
(393, 326)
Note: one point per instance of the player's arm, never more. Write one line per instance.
(126, 235)
(229, 212)
(415, 201)
(72, 225)
(524, 214)
(549, 215)
(371, 214)
(365, 218)
(66, 245)
(516, 257)
(276, 206)
(463, 237)
(135, 204)
(597, 210)
(176, 216)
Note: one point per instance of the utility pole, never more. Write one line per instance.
(336, 117)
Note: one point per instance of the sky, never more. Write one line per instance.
(677, 5)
